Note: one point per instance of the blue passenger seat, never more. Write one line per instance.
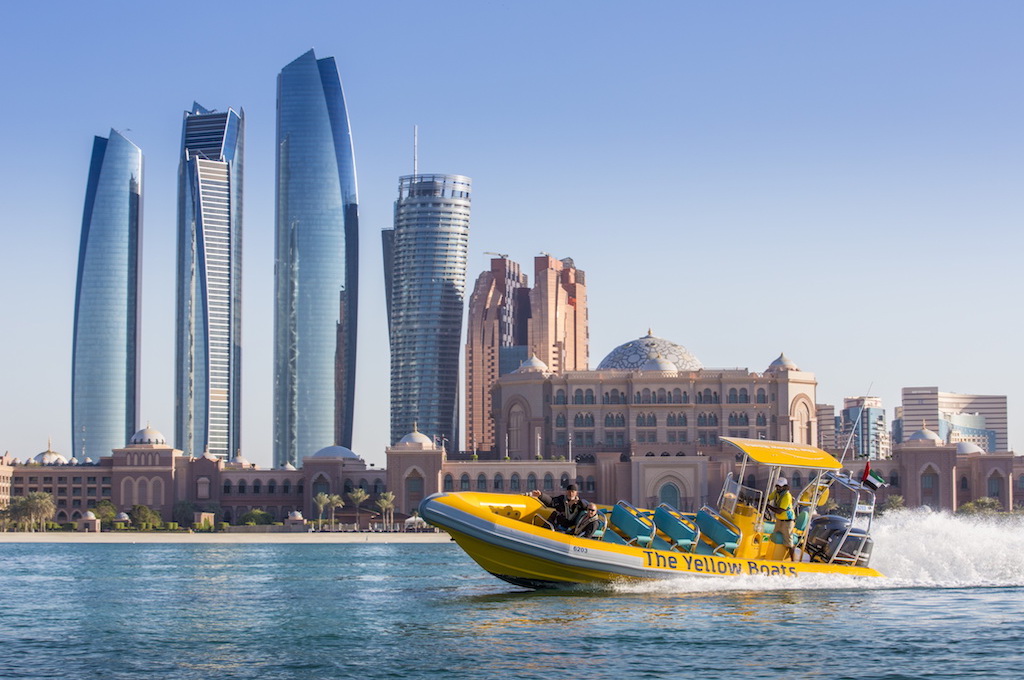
(721, 539)
(683, 533)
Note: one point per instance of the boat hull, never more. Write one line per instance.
(489, 529)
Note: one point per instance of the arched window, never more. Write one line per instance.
(930, 489)
(549, 482)
(762, 397)
(609, 420)
(481, 483)
(620, 420)
(347, 486)
(707, 397)
(286, 487)
(449, 483)
(662, 396)
(995, 485)
(588, 398)
(682, 420)
(241, 486)
(665, 454)
(272, 487)
(513, 482)
(669, 494)
(499, 482)
(713, 420)
(256, 485)
(964, 484)
(560, 420)
(762, 420)
(652, 420)
(670, 421)
(677, 396)
(590, 486)
(733, 395)
(744, 396)
(531, 482)
(606, 398)
(560, 397)
(894, 478)
(646, 396)
(636, 399)
(796, 481)
(464, 482)
(640, 420)
(686, 398)
(227, 487)
(577, 397)
(378, 486)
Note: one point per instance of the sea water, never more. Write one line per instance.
(951, 607)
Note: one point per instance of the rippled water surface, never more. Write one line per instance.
(952, 608)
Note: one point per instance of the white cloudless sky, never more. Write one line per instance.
(839, 181)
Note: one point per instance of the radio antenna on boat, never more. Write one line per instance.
(853, 430)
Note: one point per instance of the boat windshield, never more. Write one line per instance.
(733, 492)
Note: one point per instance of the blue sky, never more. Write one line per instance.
(839, 181)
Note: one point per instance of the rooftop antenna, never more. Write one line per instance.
(415, 149)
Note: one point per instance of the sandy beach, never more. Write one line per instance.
(220, 537)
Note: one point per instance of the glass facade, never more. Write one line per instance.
(317, 269)
(425, 277)
(105, 355)
(208, 347)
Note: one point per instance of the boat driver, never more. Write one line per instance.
(780, 503)
(572, 514)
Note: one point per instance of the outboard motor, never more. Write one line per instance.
(825, 542)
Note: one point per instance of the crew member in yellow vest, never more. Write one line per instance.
(780, 503)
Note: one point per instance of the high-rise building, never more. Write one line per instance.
(827, 421)
(317, 262)
(508, 321)
(558, 331)
(208, 343)
(425, 278)
(862, 424)
(105, 352)
(495, 342)
(975, 418)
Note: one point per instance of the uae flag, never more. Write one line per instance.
(872, 479)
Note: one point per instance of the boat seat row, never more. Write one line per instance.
(684, 534)
(637, 527)
(722, 537)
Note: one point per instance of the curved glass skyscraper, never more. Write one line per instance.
(105, 354)
(208, 348)
(425, 278)
(317, 267)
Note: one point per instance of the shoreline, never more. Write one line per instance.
(127, 537)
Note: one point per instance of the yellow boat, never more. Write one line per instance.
(509, 534)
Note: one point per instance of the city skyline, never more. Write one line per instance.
(728, 177)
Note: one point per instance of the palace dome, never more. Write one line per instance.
(532, 365)
(336, 452)
(783, 363)
(635, 354)
(50, 457)
(416, 438)
(147, 435)
(925, 435)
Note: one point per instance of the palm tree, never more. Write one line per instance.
(386, 503)
(39, 508)
(334, 502)
(320, 501)
(358, 495)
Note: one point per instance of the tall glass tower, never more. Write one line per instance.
(208, 347)
(317, 267)
(105, 353)
(425, 279)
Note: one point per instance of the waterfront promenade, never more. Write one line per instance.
(222, 537)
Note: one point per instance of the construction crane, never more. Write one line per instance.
(503, 256)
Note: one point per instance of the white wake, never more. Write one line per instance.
(913, 549)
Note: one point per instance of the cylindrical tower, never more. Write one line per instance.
(425, 258)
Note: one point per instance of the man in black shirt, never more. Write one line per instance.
(572, 514)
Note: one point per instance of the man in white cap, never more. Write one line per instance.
(780, 503)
